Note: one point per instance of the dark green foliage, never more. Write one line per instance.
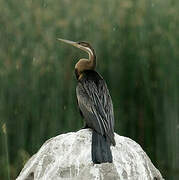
(137, 46)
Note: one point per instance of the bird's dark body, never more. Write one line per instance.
(96, 107)
(95, 103)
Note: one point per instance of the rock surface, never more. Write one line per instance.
(68, 156)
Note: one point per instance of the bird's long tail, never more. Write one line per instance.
(101, 152)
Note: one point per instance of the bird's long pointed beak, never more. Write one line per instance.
(69, 42)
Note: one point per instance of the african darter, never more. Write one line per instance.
(95, 104)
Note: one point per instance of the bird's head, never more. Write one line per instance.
(83, 64)
(81, 45)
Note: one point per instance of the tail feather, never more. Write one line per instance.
(101, 152)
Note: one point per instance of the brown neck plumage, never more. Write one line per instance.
(86, 64)
(92, 58)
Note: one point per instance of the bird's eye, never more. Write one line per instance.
(82, 44)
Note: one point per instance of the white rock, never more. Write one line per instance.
(68, 156)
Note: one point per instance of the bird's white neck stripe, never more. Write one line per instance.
(90, 52)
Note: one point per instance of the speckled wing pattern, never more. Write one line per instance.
(95, 104)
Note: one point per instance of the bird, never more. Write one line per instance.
(95, 104)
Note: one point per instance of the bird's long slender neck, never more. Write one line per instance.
(92, 58)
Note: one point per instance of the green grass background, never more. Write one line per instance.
(137, 46)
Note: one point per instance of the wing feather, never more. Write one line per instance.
(96, 106)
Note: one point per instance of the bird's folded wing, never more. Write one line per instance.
(92, 103)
